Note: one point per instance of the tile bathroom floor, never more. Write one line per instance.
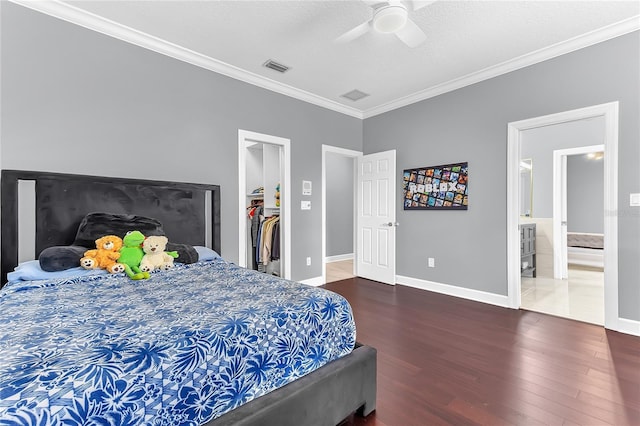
(581, 297)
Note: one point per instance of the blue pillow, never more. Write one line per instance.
(31, 270)
(205, 253)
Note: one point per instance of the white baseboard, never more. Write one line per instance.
(628, 326)
(315, 281)
(339, 257)
(451, 290)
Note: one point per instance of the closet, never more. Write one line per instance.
(264, 182)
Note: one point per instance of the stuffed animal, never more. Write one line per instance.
(105, 255)
(154, 255)
(131, 254)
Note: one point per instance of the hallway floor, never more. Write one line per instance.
(581, 297)
(341, 270)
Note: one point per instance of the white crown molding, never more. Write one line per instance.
(576, 43)
(105, 26)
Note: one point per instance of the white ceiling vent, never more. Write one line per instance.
(355, 95)
(276, 66)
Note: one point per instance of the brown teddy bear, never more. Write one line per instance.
(105, 256)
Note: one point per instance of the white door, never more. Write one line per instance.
(560, 250)
(564, 257)
(560, 261)
(376, 217)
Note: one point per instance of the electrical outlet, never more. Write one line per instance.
(431, 262)
(308, 261)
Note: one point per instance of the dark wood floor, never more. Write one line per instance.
(445, 360)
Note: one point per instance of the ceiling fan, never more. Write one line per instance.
(390, 17)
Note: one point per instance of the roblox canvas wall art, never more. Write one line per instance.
(444, 187)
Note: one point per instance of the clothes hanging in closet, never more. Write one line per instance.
(267, 238)
(275, 246)
(268, 242)
(256, 215)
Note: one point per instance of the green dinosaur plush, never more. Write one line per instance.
(131, 254)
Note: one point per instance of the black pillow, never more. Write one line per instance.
(96, 225)
(60, 258)
(186, 253)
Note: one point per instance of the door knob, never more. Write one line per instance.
(391, 224)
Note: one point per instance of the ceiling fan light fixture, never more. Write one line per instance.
(389, 19)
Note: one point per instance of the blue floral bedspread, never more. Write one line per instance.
(180, 348)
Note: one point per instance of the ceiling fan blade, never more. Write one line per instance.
(419, 4)
(354, 33)
(373, 3)
(411, 34)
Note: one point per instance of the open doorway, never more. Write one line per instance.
(566, 283)
(264, 174)
(338, 212)
(374, 213)
(578, 204)
(608, 113)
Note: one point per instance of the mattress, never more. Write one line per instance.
(585, 240)
(183, 347)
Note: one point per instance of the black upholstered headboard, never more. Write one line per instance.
(62, 200)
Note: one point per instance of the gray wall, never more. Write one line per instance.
(539, 144)
(585, 194)
(340, 199)
(77, 101)
(470, 124)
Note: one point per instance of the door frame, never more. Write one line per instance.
(245, 139)
(610, 113)
(353, 155)
(560, 256)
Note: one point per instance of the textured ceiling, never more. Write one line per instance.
(464, 38)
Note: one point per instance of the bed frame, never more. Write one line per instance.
(62, 200)
(323, 397)
(586, 249)
(585, 257)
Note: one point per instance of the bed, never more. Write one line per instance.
(586, 249)
(116, 371)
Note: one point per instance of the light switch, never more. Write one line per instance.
(306, 187)
(634, 200)
(305, 205)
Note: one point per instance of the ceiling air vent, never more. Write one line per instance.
(355, 95)
(275, 66)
